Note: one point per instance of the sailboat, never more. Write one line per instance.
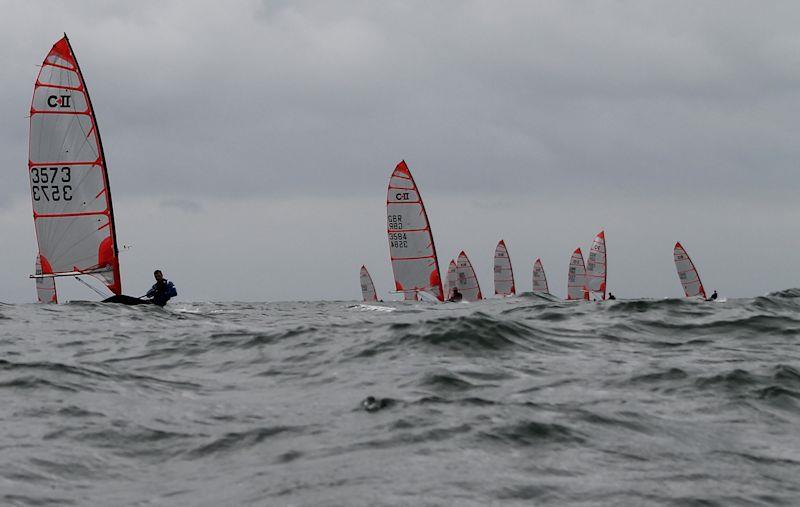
(466, 280)
(596, 272)
(539, 278)
(451, 279)
(576, 278)
(411, 249)
(72, 211)
(367, 287)
(687, 273)
(503, 272)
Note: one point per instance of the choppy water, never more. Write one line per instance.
(518, 401)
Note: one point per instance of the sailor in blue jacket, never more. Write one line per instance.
(162, 291)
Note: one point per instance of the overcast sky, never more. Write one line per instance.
(250, 143)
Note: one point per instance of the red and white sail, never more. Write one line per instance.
(539, 278)
(596, 273)
(45, 287)
(68, 175)
(503, 272)
(411, 248)
(576, 278)
(451, 279)
(367, 287)
(466, 280)
(687, 273)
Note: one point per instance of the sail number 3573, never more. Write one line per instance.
(51, 183)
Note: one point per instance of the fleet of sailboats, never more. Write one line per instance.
(76, 232)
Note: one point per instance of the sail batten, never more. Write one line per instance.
(367, 287)
(596, 272)
(503, 272)
(72, 209)
(687, 273)
(539, 278)
(466, 280)
(576, 277)
(411, 247)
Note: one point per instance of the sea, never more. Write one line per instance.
(514, 401)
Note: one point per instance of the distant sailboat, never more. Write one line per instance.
(413, 254)
(45, 287)
(687, 273)
(503, 272)
(539, 278)
(72, 211)
(367, 287)
(596, 272)
(466, 280)
(451, 279)
(576, 278)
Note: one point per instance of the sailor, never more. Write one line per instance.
(611, 296)
(455, 296)
(161, 291)
(713, 297)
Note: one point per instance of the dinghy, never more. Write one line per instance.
(539, 278)
(503, 272)
(596, 273)
(451, 279)
(367, 287)
(466, 281)
(576, 278)
(72, 211)
(687, 273)
(411, 249)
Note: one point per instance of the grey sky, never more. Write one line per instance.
(250, 143)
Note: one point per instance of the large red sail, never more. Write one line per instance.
(72, 210)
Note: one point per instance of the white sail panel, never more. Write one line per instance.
(503, 272)
(539, 278)
(451, 279)
(411, 247)
(367, 287)
(596, 273)
(576, 278)
(687, 273)
(72, 210)
(45, 287)
(466, 280)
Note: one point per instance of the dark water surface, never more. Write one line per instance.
(516, 401)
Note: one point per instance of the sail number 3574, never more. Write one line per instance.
(51, 183)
